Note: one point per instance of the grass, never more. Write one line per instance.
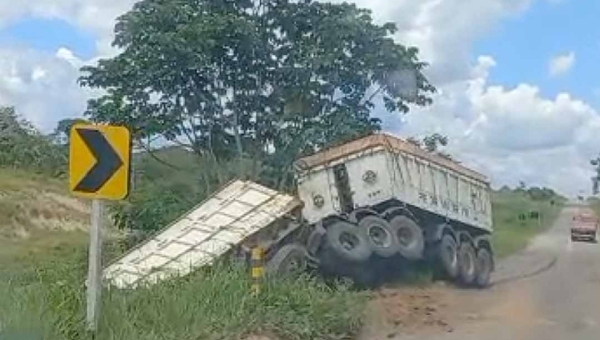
(512, 234)
(47, 300)
(594, 203)
(42, 270)
(35, 215)
(29, 201)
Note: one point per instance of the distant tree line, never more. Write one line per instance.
(24, 147)
(534, 192)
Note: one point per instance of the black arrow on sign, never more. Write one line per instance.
(107, 161)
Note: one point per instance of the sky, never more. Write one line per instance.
(518, 80)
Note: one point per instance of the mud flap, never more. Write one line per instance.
(315, 239)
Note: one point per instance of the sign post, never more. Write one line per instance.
(94, 287)
(99, 169)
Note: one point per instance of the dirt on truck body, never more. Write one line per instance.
(375, 202)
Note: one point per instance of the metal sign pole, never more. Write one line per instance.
(94, 286)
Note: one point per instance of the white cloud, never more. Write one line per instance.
(38, 73)
(512, 134)
(41, 86)
(95, 16)
(68, 56)
(444, 30)
(561, 64)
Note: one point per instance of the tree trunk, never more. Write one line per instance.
(236, 133)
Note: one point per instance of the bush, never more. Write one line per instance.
(23, 147)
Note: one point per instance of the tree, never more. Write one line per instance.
(269, 79)
(432, 142)
(63, 129)
(596, 178)
(414, 141)
(23, 147)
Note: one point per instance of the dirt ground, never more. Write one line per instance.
(549, 291)
(435, 309)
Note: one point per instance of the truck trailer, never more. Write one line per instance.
(373, 198)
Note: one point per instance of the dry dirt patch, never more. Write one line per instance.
(25, 211)
(407, 310)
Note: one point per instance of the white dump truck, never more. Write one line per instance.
(373, 198)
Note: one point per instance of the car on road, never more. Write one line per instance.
(584, 227)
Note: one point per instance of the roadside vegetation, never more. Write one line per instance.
(520, 214)
(47, 301)
(594, 203)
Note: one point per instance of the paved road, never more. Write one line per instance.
(561, 302)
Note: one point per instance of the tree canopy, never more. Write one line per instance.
(270, 79)
(246, 86)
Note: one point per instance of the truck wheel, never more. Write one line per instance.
(379, 233)
(448, 255)
(410, 237)
(466, 263)
(290, 260)
(483, 268)
(348, 242)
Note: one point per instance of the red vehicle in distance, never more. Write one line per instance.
(585, 226)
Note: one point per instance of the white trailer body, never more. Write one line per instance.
(224, 220)
(381, 167)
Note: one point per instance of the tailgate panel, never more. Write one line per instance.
(203, 234)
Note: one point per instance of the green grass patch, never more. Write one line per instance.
(594, 203)
(14, 179)
(47, 300)
(511, 233)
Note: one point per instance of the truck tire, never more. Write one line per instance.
(483, 268)
(382, 239)
(467, 263)
(447, 253)
(411, 242)
(290, 260)
(348, 242)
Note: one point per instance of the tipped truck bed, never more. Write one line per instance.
(223, 221)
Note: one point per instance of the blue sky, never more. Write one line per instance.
(522, 47)
(48, 35)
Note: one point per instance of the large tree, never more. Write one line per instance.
(267, 78)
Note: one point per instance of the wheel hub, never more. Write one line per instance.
(379, 236)
(404, 236)
(348, 241)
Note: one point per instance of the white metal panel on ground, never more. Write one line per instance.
(205, 233)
